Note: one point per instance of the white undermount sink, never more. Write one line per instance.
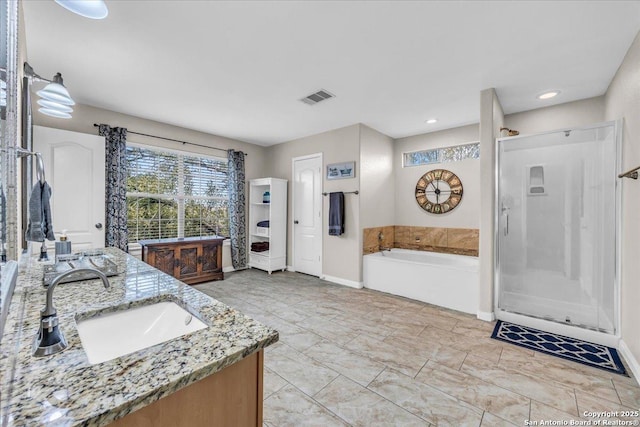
(112, 335)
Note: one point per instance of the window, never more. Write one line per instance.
(441, 155)
(173, 194)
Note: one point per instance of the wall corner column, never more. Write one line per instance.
(491, 119)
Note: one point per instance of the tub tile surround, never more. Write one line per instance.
(459, 241)
(406, 363)
(66, 389)
(370, 242)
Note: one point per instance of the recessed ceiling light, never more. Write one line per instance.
(548, 95)
(431, 121)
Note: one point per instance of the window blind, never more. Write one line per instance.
(175, 195)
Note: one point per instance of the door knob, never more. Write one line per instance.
(99, 226)
(296, 222)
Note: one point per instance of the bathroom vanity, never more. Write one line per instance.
(209, 377)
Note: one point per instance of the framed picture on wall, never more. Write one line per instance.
(341, 170)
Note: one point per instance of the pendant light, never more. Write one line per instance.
(93, 9)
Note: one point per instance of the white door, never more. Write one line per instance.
(307, 214)
(74, 168)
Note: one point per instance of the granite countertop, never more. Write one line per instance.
(65, 390)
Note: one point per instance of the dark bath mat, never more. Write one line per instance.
(595, 355)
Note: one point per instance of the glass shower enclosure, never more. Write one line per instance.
(557, 219)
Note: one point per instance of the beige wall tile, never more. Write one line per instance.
(430, 236)
(370, 240)
(403, 235)
(463, 238)
(389, 236)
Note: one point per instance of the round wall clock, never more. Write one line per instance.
(439, 191)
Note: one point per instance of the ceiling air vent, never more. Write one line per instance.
(319, 96)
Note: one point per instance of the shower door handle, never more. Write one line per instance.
(506, 225)
(505, 212)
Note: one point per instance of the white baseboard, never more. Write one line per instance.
(228, 269)
(290, 268)
(486, 316)
(340, 281)
(630, 359)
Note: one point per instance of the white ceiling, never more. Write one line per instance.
(238, 69)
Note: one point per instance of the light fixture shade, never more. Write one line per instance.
(93, 9)
(54, 113)
(54, 106)
(57, 93)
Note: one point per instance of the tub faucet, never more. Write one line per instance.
(50, 339)
(380, 239)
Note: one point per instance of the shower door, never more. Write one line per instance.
(557, 213)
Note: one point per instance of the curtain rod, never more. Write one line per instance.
(174, 140)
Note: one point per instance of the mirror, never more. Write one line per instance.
(8, 130)
(9, 137)
(3, 125)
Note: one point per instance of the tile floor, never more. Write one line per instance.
(364, 358)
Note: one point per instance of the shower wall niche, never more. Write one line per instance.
(557, 220)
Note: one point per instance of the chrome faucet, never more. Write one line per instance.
(380, 240)
(50, 339)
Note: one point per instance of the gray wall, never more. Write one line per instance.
(407, 210)
(568, 115)
(84, 116)
(340, 254)
(622, 101)
(377, 181)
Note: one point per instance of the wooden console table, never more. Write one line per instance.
(191, 260)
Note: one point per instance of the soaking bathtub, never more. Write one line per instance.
(445, 280)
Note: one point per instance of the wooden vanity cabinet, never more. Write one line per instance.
(190, 261)
(231, 397)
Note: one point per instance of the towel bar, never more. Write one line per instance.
(633, 174)
(345, 192)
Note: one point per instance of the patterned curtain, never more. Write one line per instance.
(116, 186)
(237, 227)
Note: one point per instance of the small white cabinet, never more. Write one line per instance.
(274, 234)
